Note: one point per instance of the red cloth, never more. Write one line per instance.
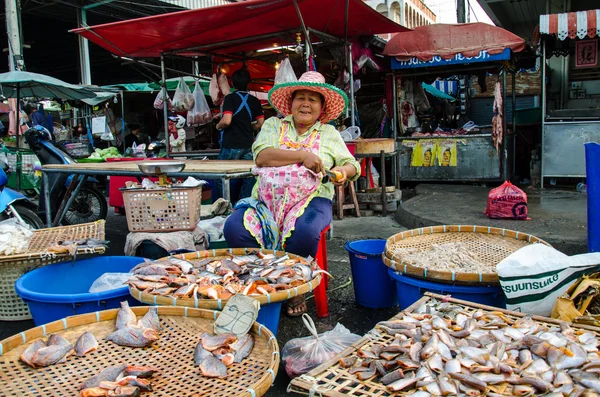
(446, 41)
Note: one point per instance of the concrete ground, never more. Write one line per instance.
(342, 306)
(557, 216)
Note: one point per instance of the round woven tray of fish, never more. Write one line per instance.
(207, 279)
(462, 254)
(139, 351)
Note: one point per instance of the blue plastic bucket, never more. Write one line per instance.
(372, 286)
(268, 315)
(59, 290)
(411, 289)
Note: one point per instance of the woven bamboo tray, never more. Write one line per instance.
(491, 245)
(12, 308)
(220, 303)
(172, 354)
(329, 379)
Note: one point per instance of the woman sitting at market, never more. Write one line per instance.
(290, 206)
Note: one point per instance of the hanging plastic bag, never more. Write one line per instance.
(158, 101)
(507, 202)
(214, 92)
(285, 74)
(200, 114)
(224, 85)
(302, 355)
(183, 99)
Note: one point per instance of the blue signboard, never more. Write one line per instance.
(458, 59)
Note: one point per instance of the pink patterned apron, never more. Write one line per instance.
(286, 190)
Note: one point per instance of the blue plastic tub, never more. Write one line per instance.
(60, 290)
(592, 166)
(372, 286)
(268, 315)
(411, 289)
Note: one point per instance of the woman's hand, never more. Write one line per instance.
(341, 171)
(312, 162)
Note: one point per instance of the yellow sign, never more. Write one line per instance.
(446, 152)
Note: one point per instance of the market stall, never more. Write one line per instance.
(570, 93)
(436, 141)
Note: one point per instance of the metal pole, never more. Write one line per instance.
(123, 117)
(514, 119)
(543, 100)
(460, 11)
(46, 190)
(382, 185)
(308, 51)
(18, 135)
(13, 30)
(165, 100)
(84, 49)
(351, 71)
(396, 159)
(503, 149)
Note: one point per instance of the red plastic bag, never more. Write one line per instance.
(507, 202)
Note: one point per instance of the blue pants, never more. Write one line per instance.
(240, 188)
(304, 240)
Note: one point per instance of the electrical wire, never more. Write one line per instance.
(346, 284)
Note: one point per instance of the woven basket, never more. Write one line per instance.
(491, 245)
(329, 379)
(12, 308)
(172, 354)
(220, 303)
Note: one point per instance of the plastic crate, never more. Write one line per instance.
(162, 209)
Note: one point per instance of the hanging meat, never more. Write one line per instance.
(497, 124)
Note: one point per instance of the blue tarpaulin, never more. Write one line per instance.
(458, 59)
(437, 93)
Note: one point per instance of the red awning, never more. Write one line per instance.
(571, 24)
(446, 41)
(236, 27)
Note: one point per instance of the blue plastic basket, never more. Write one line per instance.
(60, 290)
(372, 285)
(411, 289)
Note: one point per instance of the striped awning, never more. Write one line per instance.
(572, 24)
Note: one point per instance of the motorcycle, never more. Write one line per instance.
(15, 204)
(89, 205)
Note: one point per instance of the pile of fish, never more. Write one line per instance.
(214, 278)
(214, 353)
(71, 246)
(57, 349)
(444, 349)
(118, 381)
(133, 333)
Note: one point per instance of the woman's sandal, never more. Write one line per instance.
(292, 304)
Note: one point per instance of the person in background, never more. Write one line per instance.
(39, 118)
(177, 134)
(134, 135)
(290, 205)
(242, 116)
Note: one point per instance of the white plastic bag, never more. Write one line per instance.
(535, 275)
(301, 355)
(200, 114)
(109, 281)
(158, 101)
(285, 74)
(14, 237)
(183, 99)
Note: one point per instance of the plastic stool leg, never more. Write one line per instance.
(321, 291)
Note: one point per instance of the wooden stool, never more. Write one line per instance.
(341, 198)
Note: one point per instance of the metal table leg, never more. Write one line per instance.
(61, 214)
(46, 192)
(226, 189)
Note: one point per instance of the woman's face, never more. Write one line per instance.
(306, 107)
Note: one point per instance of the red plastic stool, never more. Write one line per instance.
(321, 291)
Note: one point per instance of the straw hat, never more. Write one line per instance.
(280, 96)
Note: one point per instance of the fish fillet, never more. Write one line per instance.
(125, 316)
(211, 367)
(86, 343)
(133, 337)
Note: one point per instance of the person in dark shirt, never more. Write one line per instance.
(134, 136)
(242, 116)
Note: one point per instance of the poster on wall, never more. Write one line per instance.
(587, 53)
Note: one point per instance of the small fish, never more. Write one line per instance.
(124, 391)
(185, 291)
(469, 380)
(392, 377)
(587, 379)
(435, 363)
(447, 386)
(538, 383)
(401, 384)
(184, 265)
(430, 347)
(561, 378)
(58, 340)
(452, 366)
(433, 388)
(133, 337)
(107, 374)
(125, 316)
(523, 390)
(30, 351)
(140, 372)
(242, 347)
(213, 342)
(150, 319)
(94, 392)
(369, 373)
(85, 344)
(211, 367)
(348, 362)
(50, 355)
(415, 350)
(200, 354)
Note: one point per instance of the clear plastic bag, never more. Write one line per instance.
(109, 281)
(214, 92)
(301, 355)
(200, 114)
(183, 99)
(158, 101)
(285, 74)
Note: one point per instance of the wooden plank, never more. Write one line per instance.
(200, 166)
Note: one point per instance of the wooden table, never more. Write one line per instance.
(199, 169)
